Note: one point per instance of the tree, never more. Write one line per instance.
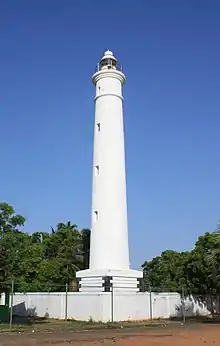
(195, 272)
(8, 219)
(63, 256)
(207, 247)
(12, 243)
(39, 261)
(86, 234)
(165, 272)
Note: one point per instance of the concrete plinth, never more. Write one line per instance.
(103, 280)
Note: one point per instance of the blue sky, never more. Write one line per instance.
(170, 53)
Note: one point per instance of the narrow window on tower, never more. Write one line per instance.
(98, 127)
(97, 170)
(96, 215)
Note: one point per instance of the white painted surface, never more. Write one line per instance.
(109, 236)
(122, 280)
(109, 250)
(98, 306)
(2, 299)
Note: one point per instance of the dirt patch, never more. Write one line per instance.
(196, 335)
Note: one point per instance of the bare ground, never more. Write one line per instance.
(171, 335)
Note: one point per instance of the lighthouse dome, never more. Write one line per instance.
(108, 55)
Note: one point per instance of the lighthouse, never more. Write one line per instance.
(109, 250)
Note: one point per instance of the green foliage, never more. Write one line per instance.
(193, 272)
(47, 261)
(38, 261)
(8, 220)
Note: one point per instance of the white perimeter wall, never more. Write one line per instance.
(99, 307)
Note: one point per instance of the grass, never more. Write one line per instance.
(49, 325)
(36, 324)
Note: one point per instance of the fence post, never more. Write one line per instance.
(11, 304)
(151, 310)
(183, 306)
(112, 304)
(66, 304)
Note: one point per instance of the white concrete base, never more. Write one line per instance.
(121, 280)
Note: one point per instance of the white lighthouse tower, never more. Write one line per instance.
(109, 251)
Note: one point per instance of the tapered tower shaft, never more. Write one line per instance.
(109, 252)
(109, 236)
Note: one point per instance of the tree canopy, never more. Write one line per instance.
(47, 261)
(40, 261)
(192, 272)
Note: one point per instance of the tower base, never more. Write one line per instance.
(102, 280)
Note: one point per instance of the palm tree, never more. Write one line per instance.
(71, 247)
(67, 225)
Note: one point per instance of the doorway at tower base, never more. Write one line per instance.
(103, 280)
